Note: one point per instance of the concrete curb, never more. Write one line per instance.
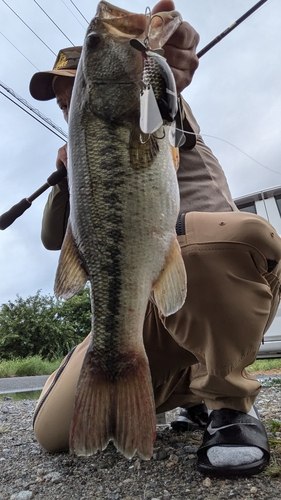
(22, 384)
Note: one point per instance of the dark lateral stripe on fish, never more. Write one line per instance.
(111, 266)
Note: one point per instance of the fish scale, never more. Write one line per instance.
(124, 202)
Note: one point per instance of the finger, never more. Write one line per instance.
(182, 79)
(185, 37)
(183, 64)
(62, 156)
(163, 6)
(181, 59)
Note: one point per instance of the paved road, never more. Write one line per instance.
(22, 384)
(25, 384)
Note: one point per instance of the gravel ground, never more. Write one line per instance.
(29, 472)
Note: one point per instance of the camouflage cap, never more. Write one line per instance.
(66, 64)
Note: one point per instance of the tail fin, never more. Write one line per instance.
(119, 409)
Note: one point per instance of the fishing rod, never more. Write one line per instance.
(230, 28)
(17, 210)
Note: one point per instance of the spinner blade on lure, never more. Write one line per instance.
(161, 109)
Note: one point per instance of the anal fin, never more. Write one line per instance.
(171, 286)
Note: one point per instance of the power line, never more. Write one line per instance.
(53, 22)
(29, 27)
(19, 51)
(42, 118)
(34, 110)
(79, 12)
(25, 110)
(73, 14)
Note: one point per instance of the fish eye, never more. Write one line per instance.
(93, 40)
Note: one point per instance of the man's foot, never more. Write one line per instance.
(191, 419)
(234, 444)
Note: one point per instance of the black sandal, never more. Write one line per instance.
(191, 419)
(233, 428)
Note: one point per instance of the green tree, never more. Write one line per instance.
(43, 325)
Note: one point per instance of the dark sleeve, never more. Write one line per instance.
(55, 216)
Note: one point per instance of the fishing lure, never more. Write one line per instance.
(158, 92)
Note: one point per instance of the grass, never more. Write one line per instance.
(33, 365)
(273, 470)
(274, 426)
(265, 365)
(19, 396)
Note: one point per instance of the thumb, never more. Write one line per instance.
(163, 6)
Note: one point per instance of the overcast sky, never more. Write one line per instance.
(235, 96)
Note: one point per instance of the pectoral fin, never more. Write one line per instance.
(71, 276)
(170, 289)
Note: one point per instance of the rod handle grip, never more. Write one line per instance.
(16, 211)
(57, 176)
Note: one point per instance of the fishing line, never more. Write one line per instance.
(231, 144)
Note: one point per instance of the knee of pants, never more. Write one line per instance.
(234, 227)
(259, 233)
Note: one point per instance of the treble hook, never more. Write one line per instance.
(142, 141)
(160, 138)
(145, 45)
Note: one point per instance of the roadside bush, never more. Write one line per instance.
(33, 365)
(44, 326)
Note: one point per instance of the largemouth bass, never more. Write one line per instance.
(124, 201)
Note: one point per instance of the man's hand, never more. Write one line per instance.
(180, 50)
(62, 156)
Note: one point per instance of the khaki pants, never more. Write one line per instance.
(200, 352)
